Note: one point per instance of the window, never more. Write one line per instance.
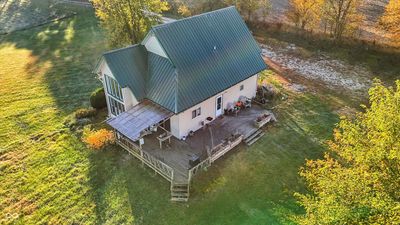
(114, 95)
(196, 112)
(241, 87)
(113, 87)
(116, 107)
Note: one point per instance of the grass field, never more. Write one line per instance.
(48, 176)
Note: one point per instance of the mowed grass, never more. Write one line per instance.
(47, 175)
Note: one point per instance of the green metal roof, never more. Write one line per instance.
(211, 52)
(207, 54)
(129, 67)
(161, 82)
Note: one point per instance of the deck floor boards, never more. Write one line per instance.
(178, 153)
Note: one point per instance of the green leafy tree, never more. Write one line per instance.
(128, 21)
(358, 180)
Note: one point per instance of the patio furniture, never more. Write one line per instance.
(193, 160)
(233, 108)
(246, 102)
(163, 137)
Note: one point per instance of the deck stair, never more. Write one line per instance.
(179, 192)
(253, 137)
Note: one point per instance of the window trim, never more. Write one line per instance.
(113, 88)
(111, 105)
(196, 112)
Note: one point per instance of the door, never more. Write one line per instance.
(218, 107)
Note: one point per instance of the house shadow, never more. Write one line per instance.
(66, 52)
(62, 55)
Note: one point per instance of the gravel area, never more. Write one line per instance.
(334, 73)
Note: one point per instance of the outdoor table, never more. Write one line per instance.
(163, 137)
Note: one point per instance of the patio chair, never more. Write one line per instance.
(246, 102)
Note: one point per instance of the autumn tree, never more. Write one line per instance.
(248, 7)
(305, 13)
(342, 16)
(193, 7)
(390, 20)
(184, 10)
(127, 21)
(358, 180)
(266, 8)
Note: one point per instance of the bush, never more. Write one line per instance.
(85, 113)
(98, 99)
(98, 139)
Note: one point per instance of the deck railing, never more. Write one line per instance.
(224, 147)
(202, 165)
(216, 153)
(158, 166)
(166, 171)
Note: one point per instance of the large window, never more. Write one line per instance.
(113, 87)
(116, 107)
(114, 93)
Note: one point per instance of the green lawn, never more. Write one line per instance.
(47, 175)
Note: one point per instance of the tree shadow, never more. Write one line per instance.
(62, 55)
(68, 50)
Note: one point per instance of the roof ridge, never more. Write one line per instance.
(191, 17)
(121, 49)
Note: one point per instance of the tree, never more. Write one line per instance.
(358, 180)
(390, 20)
(191, 7)
(184, 10)
(128, 21)
(248, 7)
(342, 16)
(305, 13)
(266, 7)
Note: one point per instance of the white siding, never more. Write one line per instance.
(175, 125)
(129, 99)
(184, 120)
(154, 46)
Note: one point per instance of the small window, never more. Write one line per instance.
(196, 112)
(241, 87)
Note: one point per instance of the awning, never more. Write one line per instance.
(132, 122)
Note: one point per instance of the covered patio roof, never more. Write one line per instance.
(132, 122)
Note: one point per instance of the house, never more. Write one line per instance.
(184, 75)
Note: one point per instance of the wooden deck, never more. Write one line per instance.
(178, 153)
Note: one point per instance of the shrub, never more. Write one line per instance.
(85, 113)
(98, 99)
(98, 139)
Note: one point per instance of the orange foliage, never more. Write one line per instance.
(98, 139)
(391, 19)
